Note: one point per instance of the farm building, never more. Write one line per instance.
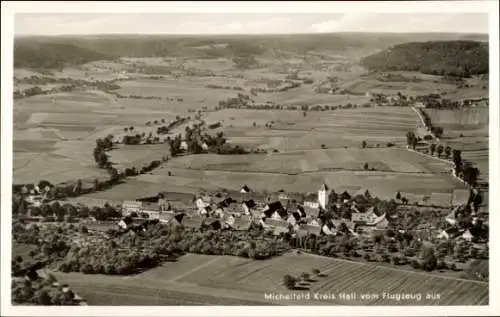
(248, 205)
(244, 189)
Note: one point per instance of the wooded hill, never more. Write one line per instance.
(445, 58)
(59, 51)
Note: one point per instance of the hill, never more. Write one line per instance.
(52, 55)
(49, 52)
(450, 58)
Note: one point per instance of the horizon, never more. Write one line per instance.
(238, 34)
(202, 24)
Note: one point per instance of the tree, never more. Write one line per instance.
(414, 143)
(410, 137)
(432, 148)
(457, 160)
(429, 259)
(305, 276)
(447, 151)
(440, 149)
(471, 175)
(398, 195)
(363, 144)
(289, 282)
(304, 113)
(365, 166)
(254, 124)
(316, 272)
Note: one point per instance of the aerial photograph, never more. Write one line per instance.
(257, 159)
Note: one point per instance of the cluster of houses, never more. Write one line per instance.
(34, 195)
(458, 231)
(280, 214)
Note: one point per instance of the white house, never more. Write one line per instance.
(323, 196)
(326, 230)
(311, 204)
(248, 206)
(200, 203)
(132, 206)
(184, 146)
(204, 146)
(451, 217)
(467, 235)
(122, 224)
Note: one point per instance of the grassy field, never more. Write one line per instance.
(196, 279)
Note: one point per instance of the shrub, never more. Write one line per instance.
(415, 264)
(289, 282)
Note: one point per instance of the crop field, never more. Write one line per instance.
(237, 281)
(297, 162)
(54, 135)
(292, 131)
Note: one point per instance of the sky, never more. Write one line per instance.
(254, 23)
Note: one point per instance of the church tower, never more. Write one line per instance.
(323, 196)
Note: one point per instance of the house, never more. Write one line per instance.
(363, 218)
(313, 223)
(184, 146)
(247, 206)
(201, 203)
(153, 210)
(293, 218)
(449, 233)
(467, 235)
(219, 212)
(311, 204)
(382, 224)
(345, 197)
(323, 196)
(205, 211)
(451, 217)
(244, 189)
(230, 220)
(125, 223)
(225, 202)
(271, 208)
(241, 224)
(130, 206)
(204, 146)
(302, 212)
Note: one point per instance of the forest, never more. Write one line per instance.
(444, 58)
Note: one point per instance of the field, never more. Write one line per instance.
(212, 280)
(318, 147)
